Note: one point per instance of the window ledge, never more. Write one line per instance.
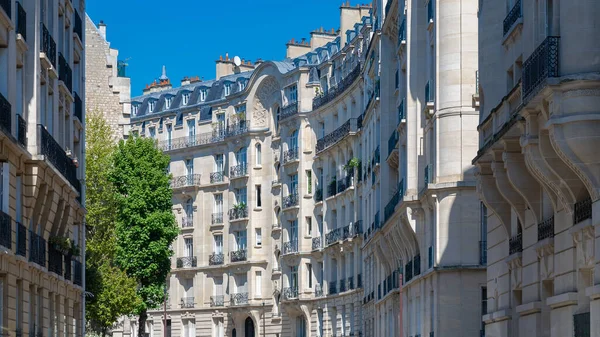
(257, 167)
(258, 209)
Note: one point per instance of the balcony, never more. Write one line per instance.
(583, 211)
(7, 6)
(65, 74)
(78, 107)
(318, 290)
(187, 222)
(392, 142)
(331, 188)
(187, 262)
(291, 200)
(318, 194)
(546, 229)
(332, 93)
(290, 247)
(188, 180)
(332, 287)
(216, 218)
(5, 230)
(290, 293)
(483, 253)
(512, 17)
(68, 267)
(238, 212)
(351, 125)
(541, 65)
(37, 249)
(187, 302)
(389, 209)
(217, 177)
(21, 130)
(55, 154)
(217, 301)
(333, 236)
(516, 244)
(350, 283)
(216, 259)
(48, 46)
(290, 155)
(236, 129)
(78, 26)
(78, 271)
(417, 264)
(342, 285)
(239, 255)
(359, 281)
(317, 243)
(190, 141)
(21, 240)
(581, 325)
(288, 111)
(55, 260)
(341, 186)
(238, 171)
(5, 115)
(239, 299)
(21, 21)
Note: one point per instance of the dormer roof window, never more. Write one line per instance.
(227, 89)
(168, 101)
(134, 109)
(202, 94)
(151, 105)
(185, 98)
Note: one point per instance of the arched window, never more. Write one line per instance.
(258, 154)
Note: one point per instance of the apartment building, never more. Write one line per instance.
(538, 171)
(42, 238)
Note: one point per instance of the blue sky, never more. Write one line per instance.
(189, 35)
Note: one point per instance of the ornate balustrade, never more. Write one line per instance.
(351, 125)
(325, 98)
(288, 111)
(238, 171)
(216, 259)
(512, 17)
(290, 247)
(542, 64)
(239, 212)
(291, 200)
(239, 255)
(239, 299)
(185, 181)
(217, 177)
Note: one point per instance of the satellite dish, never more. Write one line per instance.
(237, 61)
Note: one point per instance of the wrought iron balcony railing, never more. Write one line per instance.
(239, 299)
(237, 128)
(331, 188)
(185, 181)
(217, 218)
(68, 266)
(516, 244)
(21, 240)
(350, 282)
(290, 293)
(238, 212)
(392, 142)
(290, 247)
(65, 73)
(291, 200)
(190, 141)
(290, 155)
(21, 21)
(342, 285)
(318, 290)
(512, 17)
(48, 46)
(417, 264)
(55, 260)
(187, 262)
(78, 112)
(78, 26)
(21, 130)
(332, 287)
(389, 209)
(37, 249)
(581, 325)
(5, 230)
(5, 115)
(351, 125)
(542, 64)
(217, 301)
(217, 177)
(359, 281)
(288, 111)
(546, 229)
(483, 253)
(341, 186)
(240, 170)
(77, 273)
(58, 157)
(332, 93)
(216, 259)
(187, 302)
(316, 243)
(319, 194)
(187, 222)
(239, 255)
(583, 211)
(333, 236)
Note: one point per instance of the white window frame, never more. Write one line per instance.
(258, 154)
(258, 283)
(258, 236)
(168, 101)
(185, 98)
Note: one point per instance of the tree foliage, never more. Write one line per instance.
(114, 292)
(145, 224)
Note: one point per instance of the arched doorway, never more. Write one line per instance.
(233, 333)
(249, 327)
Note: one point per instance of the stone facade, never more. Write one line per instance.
(537, 163)
(42, 132)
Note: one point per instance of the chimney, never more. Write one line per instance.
(185, 81)
(102, 29)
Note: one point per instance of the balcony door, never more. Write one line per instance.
(241, 156)
(241, 283)
(293, 141)
(219, 163)
(218, 244)
(219, 203)
(293, 184)
(191, 128)
(240, 240)
(294, 230)
(189, 166)
(294, 277)
(188, 248)
(189, 209)
(218, 289)
(241, 195)
(169, 134)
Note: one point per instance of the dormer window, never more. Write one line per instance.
(227, 89)
(134, 109)
(185, 98)
(168, 101)
(202, 95)
(242, 85)
(151, 105)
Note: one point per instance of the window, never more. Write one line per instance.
(168, 101)
(185, 98)
(309, 181)
(189, 328)
(189, 247)
(202, 95)
(242, 84)
(258, 236)
(258, 154)
(308, 226)
(293, 230)
(191, 124)
(151, 105)
(258, 282)
(4, 186)
(169, 134)
(241, 195)
(218, 244)
(309, 275)
(152, 132)
(227, 89)
(293, 141)
(240, 240)
(134, 109)
(218, 203)
(293, 184)
(291, 93)
(2, 313)
(189, 166)
(240, 156)
(258, 196)
(294, 277)
(219, 163)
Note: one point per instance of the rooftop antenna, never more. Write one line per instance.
(237, 61)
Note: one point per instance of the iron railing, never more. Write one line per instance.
(290, 247)
(333, 236)
(389, 209)
(21, 240)
(238, 171)
(516, 244)
(291, 200)
(65, 73)
(332, 93)
(318, 194)
(78, 112)
(78, 26)
(513, 15)
(37, 249)
(351, 125)
(217, 177)
(350, 282)
(546, 229)
(239, 255)
(216, 259)
(288, 111)
(7, 6)
(392, 142)
(5, 230)
(190, 141)
(217, 301)
(239, 299)
(238, 213)
(482, 252)
(290, 293)
(318, 290)
(58, 157)
(48, 45)
(290, 155)
(359, 280)
(22, 130)
(581, 325)
(342, 285)
(331, 188)
(68, 260)
(317, 243)
(187, 222)
(185, 181)
(55, 260)
(332, 287)
(217, 218)
(187, 302)
(417, 265)
(77, 273)
(583, 210)
(5, 115)
(21, 21)
(187, 262)
(237, 128)
(542, 64)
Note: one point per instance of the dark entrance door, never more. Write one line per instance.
(249, 327)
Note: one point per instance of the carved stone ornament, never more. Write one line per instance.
(265, 96)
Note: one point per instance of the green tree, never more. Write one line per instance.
(114, 292)
(145, 223)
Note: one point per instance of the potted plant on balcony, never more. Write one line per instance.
(352, 164)
(61, 244)
(240, 206)
(75, 161)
